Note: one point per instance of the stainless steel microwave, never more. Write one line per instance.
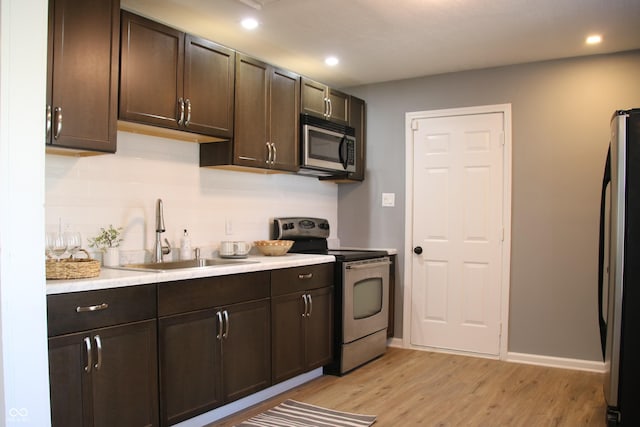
(328, 148)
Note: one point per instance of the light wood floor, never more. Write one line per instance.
(408, 387)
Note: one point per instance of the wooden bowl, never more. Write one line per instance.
(273, 247)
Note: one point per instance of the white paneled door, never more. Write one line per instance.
(458, 230)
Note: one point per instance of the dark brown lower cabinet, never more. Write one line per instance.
(105, 377)
(302, 332)
(213, 356)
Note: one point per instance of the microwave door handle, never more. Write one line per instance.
(342, 152)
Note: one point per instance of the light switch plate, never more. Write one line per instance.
(388, 199)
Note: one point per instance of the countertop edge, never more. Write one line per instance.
(113, 278)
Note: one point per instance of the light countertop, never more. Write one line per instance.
(113, 278)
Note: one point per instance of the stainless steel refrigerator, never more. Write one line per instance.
(619, 271)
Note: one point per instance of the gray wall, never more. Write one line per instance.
(560, 117)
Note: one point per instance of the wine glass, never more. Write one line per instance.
(56, 244)
(74, 242)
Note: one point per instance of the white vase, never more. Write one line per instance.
(111, 257)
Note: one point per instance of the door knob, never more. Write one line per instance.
(417, 250)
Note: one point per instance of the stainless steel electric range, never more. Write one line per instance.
(361, 292)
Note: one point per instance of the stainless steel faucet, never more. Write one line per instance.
(160, 250)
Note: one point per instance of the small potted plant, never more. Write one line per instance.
(108, 242)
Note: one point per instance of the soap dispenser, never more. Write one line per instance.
(185, 246)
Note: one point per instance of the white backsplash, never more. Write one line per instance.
(87, 193)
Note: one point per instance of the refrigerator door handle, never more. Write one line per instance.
(601, 255)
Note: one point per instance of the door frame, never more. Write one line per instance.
(505, 274)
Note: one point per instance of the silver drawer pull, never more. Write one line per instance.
(305, 276)
(89, 308)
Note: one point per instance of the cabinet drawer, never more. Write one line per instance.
(295, 279)
(196, 294)
(80, 311)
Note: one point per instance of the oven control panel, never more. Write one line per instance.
(295, 228)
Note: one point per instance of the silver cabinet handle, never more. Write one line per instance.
(90, 308)
(87, 345)
(58, 119)
(305, 276)
(49, 120)
(181, 116)
(310, 305)
(326, 107)
(306, 305)
(186, 122)
(98, 364)
(219, 331)
(275, 153)
(330, 108)
(225, 335)
(268, 152)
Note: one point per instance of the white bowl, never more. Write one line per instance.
(273, 247)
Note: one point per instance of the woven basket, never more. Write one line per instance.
(73, 268)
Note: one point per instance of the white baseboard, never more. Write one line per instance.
(556, 362)
(530, 359)
(395, 342)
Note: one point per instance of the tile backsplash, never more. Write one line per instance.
(86, 193)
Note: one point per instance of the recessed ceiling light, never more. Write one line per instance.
(594, 39)
(249, 23)
(331, 61)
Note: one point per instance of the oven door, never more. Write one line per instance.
(365, 301)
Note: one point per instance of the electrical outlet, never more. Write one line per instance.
(388, 200)
(228, 227)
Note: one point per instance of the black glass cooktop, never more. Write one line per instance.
(319, 246)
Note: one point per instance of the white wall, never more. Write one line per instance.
(24, 391)
(121, 189)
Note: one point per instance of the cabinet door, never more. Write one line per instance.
(190, 366)
(120, 387)
(287, 334)
(209, 87)
(68, 382)
(83, 74)
(246, 349)
(319, 328)
(284, 109)
(151, 72)
(313, 100)
(125, 375)
(338, 106)
(250, 135)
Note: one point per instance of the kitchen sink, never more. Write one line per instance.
(178, 265)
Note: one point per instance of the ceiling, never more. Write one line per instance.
(383, 40)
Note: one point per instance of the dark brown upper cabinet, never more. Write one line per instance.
(175, 80)
(322, 101)
(82, 76)
(266, 132)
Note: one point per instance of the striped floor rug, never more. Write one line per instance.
(297, 414)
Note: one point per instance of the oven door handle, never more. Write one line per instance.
(367, 265)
